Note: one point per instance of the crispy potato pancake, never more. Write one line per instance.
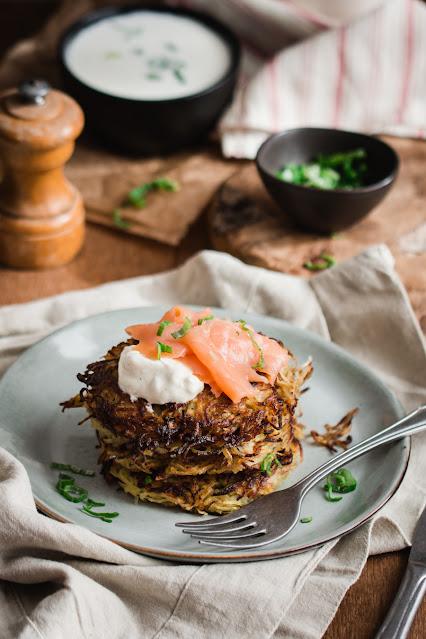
(206, 455)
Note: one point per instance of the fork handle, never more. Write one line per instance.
(408, 425)
(403, 610)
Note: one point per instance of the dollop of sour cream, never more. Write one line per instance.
(157, 381)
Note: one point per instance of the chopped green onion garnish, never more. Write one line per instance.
(340, 482)
(203, 319)
(66, 488)
(108, 517)
(162, 326)
(306, 520)
(163, 348)
(261, 362)
(148, 480)
(343, 170)
(268, 461)
(178, 75)
(72, 469)
(91, 503)
(89, 511)
(345, 481)
(118, 220)
(137, 196)
(77, 494)
(328, 260)
(329, 495)
(183, 330)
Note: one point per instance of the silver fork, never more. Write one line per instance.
(271, 517)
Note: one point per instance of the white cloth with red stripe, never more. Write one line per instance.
(300, 68)
(61, 580)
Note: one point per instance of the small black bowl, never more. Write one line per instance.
(325, 211)
(145, 126)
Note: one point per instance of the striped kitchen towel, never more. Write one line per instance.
(299, 69)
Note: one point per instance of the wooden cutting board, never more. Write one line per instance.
(244, 221)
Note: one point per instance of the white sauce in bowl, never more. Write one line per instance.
(148, 55)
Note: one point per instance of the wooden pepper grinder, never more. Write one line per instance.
(41, 213)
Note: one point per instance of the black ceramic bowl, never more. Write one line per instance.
(320, 210)
(152, 126)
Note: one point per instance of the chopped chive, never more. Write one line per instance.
(204, 319)
(137, 196)
(266, 465)
(162, 326)
(148, 480)
(65, 477)
(329, 495)
(127, 32)
(163, 348)
(328, 261)
(346, 483)
(306, 520)
(178, 75)
(183, 330)
(261, 362)
(340, 482)
(72, 469)
(118, 220)
(90, 512)
(91, 503)
(66, 488)
(342, 170)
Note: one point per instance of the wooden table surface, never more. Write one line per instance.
(110, 255)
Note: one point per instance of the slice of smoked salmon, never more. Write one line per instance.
(225, 354)
(179, 313)
(147, 334)
(274, 355)
(232, 353)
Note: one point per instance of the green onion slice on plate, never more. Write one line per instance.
(66, 488)
(340, 482)
(72, 469)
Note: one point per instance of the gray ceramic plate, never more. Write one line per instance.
(35, 431)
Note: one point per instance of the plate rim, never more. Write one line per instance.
(229, 556)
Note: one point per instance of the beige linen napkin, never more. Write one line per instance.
(61, 580)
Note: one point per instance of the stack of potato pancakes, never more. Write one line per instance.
(212, 454)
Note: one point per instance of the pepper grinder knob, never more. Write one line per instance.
(41, 213)
(34, 91)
